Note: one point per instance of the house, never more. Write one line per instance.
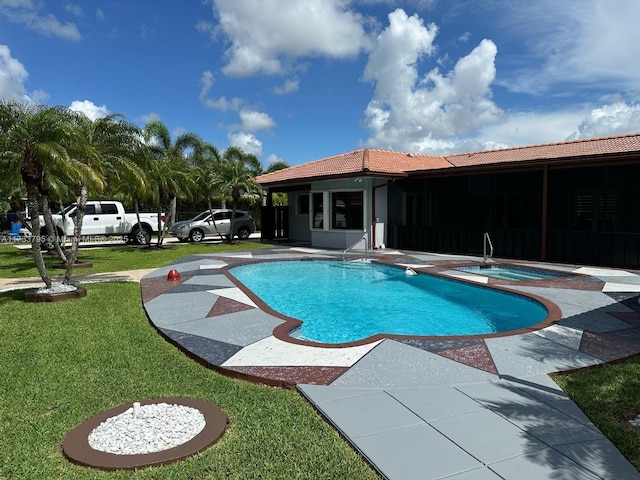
(570, 202)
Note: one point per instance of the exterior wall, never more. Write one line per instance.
(327, 237)
(591, 215)
(300, 213)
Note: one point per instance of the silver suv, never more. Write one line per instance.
(202, 225)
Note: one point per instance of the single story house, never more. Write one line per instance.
(570, 202)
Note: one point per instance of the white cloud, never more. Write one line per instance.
(12, 76)
(100, 15)
(90, 109)
(221, 104)
(269, 36)
(291, 85)
(39, 96)
(428, 114)
(24, 12)
(613, 119)
(577, 44)
(74, 9)
(247, 142)
(253, 121)
(525, 128)
(150, 117)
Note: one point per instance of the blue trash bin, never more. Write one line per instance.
(15, 229)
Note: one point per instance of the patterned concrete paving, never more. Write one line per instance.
(423, 407)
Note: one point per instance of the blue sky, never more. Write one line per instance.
(298, 80)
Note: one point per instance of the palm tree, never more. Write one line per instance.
(275, 166)
(206, 163)
(168, 166)
(41, 143)
(236, 176)
(110, 147)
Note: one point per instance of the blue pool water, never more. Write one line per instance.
(341, 302)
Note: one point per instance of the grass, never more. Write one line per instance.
(609, 395)
(63, 363)
(18, 263)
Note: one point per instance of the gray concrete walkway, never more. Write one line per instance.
(424, 408)
(7, 284)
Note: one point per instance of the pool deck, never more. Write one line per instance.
(424, 408)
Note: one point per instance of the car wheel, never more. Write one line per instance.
(142, 236)
(196, 235)
(243, 233)
(48, 243)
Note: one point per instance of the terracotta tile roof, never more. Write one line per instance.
(385, 163)
(550, 151)
(364, 161)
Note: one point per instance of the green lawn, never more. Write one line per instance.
(64, 362)
(15, 262)
(610, 396)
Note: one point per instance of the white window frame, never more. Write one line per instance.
(326, 210)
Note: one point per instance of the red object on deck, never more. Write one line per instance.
(173, 275)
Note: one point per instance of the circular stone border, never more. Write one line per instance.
(77, 449)
(33, 295)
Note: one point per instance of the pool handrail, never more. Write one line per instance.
(366, 246)
(487, 240)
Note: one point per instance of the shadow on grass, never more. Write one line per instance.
(11, 296)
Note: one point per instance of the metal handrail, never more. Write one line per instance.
(487, 240)
(366, 246)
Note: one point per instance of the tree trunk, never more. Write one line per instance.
(213, 220)
(160, 227)
(236, 202)
(81, 202)
(51, 230)
(34, 211)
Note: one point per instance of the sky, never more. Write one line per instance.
(300, 80)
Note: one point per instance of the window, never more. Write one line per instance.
(318, 210)
(413, 209)
(302, 204)
(109, 208)
(347, 210)
(595, 212)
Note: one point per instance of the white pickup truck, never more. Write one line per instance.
(105, 218)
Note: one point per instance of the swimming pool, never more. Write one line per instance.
(341, 302)
(513, 272)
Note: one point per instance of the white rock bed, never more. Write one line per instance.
(157, 427)
(635, 422)
(58, 288)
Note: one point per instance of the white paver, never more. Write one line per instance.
(603, 272)
(211, 266)
(467, 276)
(274, 352)
(570, 337)
(620, 287)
